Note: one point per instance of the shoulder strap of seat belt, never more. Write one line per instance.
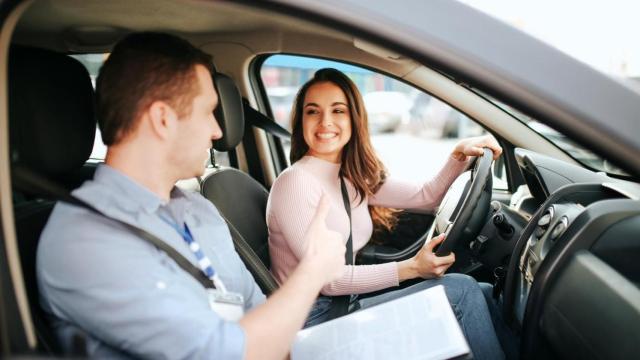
(340, 304)
(347, 207)
(259, 120)
(27, 180)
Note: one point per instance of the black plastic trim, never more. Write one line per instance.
(512, 270)
(582, 234)
(514, 176)
(260, 94)
(588, 283)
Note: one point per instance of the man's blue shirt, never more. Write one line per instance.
(130, 298)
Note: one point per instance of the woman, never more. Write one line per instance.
(330, 140)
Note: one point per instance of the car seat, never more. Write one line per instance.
(52, 129)
(241, 200)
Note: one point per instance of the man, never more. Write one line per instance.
(155, 101)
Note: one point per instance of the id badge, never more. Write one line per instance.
(229, 305)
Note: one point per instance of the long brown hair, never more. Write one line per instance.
(360, 164)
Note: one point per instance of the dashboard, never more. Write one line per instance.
(585, 225)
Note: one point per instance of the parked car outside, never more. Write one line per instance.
(438, 119)
(387, 110)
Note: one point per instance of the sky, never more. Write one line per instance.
(602, 34)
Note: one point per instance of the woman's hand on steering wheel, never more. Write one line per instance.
(425, 264)
(473, 147)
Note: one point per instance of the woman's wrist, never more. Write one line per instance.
(407, 270)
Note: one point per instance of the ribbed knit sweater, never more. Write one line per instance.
(293, 201)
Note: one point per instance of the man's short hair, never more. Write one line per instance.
(143, 68)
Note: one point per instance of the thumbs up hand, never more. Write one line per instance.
(324, 248)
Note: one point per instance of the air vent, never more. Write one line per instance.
(543, 222)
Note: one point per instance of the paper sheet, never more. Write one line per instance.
(417, 326)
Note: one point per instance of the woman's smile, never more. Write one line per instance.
(326, 122)
(326, 135)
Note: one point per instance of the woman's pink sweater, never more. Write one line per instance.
(296, 194)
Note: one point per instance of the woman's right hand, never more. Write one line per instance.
(425, 264)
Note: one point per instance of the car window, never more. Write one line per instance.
(93, 62)
(403, 121)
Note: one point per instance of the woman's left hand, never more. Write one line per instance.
(473, 147)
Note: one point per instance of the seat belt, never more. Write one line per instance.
(261, 121)
(27, 180)
(340, 304)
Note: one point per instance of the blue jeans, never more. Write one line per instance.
(508, 339)
(467, 301)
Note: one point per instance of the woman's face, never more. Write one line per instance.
(326, 122)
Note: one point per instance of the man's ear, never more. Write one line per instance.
(162, 118)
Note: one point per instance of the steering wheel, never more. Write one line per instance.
(463, 221)
(462, 214)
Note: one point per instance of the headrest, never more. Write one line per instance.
(229, 113)
(51, 111)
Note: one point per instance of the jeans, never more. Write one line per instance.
(508, 339)
(467, 301)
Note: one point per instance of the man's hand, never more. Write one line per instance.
(473, 147)
(322, 262)
(325, 248)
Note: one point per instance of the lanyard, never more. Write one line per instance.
(203, 261)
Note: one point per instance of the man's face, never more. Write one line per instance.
(196, 130)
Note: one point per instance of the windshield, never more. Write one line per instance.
(573, 149)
